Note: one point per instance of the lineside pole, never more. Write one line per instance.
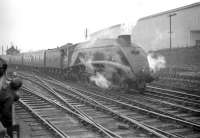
(15, 127)
(170, 30)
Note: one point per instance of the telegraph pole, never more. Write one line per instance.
(86, 33)
(2, 49)
(170, 30)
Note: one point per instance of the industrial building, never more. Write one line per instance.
(112, 32)
(12, 51)
(178, 27)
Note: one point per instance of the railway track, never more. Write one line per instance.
(189, 86)
(111, 122)
(38, 126)
(178, 97)
(62, 120)
(190, 113)
(172, 97)
(182, 127)
(186, 112)
(171, 126)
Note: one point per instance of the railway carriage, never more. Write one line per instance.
(16, 60)
(27, 60)
(54, 60)
(38, 59)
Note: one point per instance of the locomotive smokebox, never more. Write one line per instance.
(126, 38)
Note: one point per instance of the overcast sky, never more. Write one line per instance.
(43, 24)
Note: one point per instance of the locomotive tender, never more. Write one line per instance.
(121, 62)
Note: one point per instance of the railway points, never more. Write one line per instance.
(62, 120)
(115, 126)
(148, 120)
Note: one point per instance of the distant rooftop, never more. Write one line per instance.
(111, 27)
(171, 11)
(12, 51)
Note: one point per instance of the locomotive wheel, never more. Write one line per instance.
(141, 85)
(124, 87)
(87, 81)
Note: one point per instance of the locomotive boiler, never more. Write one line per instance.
(121, 64)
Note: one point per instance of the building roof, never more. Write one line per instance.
(112, 27)
(12, 50)
(66, 45)
(171, 11)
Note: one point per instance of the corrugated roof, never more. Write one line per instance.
(171, 11)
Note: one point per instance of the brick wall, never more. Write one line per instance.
(182, 57)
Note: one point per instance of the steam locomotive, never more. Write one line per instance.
(122, 64)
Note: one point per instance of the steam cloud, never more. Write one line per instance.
(87, 63)
(100, 80)
(156, 62)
